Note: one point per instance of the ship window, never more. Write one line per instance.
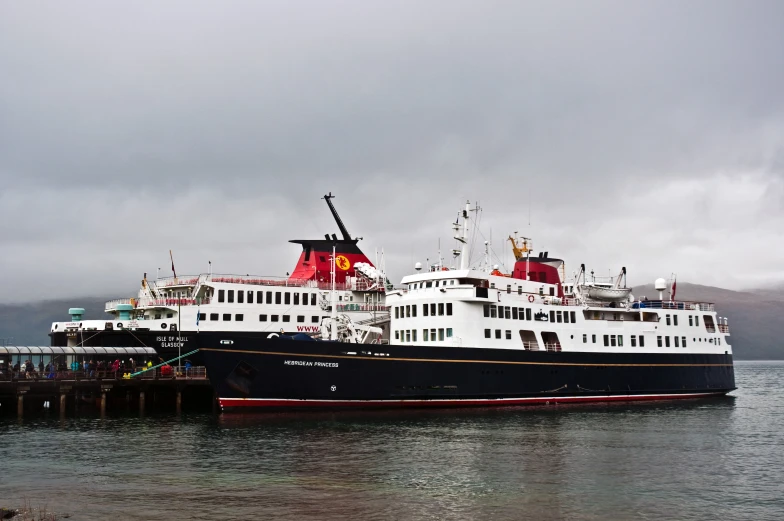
(541, 290)
(697, 320)
(642, 341)
(425, 335)
(231, 296)
(668, 320)
(269, 297)
(239, 317)
(449, 332)
(277, 297)
(519, 290)
(658, 341)
(413, 310)
(440, 309)
(552, 291)
(433, 335)
(240, 296)
(250, 297)
(296, 299)
(634, 341)
(227, 316)
(408, 311)
(314, 319)
(300, 318)
(259, 297)
(202, 316)
(487, 333)
(585, 338)
(558, 317)
(286, 318)
(683, 341)
(428, 284)
(221, 295)
(157, 316)
(397, 335)
(169, 315)
(612, 340)
(620, 340)
(508, 288)
(675, 320)
(408, 335)
(514, 313)
(691, 320)
(507, 312)
(441, 333)
(262, 318)
(492, 285)
(666, 341)
(287, 298)
(566, 317)
(498, 333)
(572, 315)
(487, 310)
(304, 299)
(448, 308)
(413, 335)
(508, 334)
(528, 313)
(432, 310)
(274, 318)
(552, 316)
(593, 339)
(676, 342)
(425, 309)
(606, 340)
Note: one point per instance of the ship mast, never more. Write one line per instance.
(338, 220)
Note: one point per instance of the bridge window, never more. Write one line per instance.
(448, 308)
(508, 288)
(675, 321)
(659, 341)
(213, 316)
(606, 340)
(507, 312)
(558, 317)
(668, 320)
(487, 333)
(676, 342)
(408, 335)
(528, 313)
(274, 318)
(259, 297)
(169, 315)
(683, 341)
(566, 317)
(642, 341)
(441, 333)
(413, 310)
(572, 315)
(227, 316)
(493, 311)
(612, 341)
(514, 313)
(269, 297)
(239, 317)
(287, 298)
(221, 295)
(413, 335)
(314, 320)
(552, 316)
(425, 309)
(286, 318)
(312, 299)
(296, 299)
(277, 297)
(508, 334)
(519, 290)
(250, 297)
(634, 341)
(691, 320)
(240, 296)
(432, 310)
(262, 318)
(697, 320)
(433, 335)
(304, 299)
(408, 311)
(487, 310)
(231, 296)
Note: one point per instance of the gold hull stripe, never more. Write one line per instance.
(386, 358)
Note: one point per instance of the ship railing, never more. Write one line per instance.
(723, 328)
(674, 304)
(531, 346)
(155, 302)
(362, 307)
(161, 373)
(552, 346)
(710, 329)
(355, 284)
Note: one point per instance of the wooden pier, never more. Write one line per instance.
(73, 391)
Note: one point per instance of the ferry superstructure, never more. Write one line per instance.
(170, 313)
(467, 336)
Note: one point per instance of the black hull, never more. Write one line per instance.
(291, 373)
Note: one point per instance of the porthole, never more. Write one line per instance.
(163, 326)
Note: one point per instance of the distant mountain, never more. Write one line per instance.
(28, 324)
(753, 317)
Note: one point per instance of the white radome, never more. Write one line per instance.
(418, 266)
(660, 284)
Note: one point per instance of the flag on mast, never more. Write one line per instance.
(672, 288)
(172, 261)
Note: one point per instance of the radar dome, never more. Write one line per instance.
(660, 284)
(418, 266)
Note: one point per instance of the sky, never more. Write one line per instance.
(641, 134)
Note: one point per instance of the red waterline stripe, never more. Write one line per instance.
(271, 402)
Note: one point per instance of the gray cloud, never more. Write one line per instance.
(649, 135)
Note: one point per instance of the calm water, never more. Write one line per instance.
(709, 459)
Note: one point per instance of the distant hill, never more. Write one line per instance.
(28, 324)
(753, 317)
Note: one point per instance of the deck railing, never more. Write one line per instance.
(155, 302)
(179, 372)
(723, 328)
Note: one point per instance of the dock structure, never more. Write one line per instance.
(65, 386)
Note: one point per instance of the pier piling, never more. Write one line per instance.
(179, 401)
(141, 402)
(20, 404)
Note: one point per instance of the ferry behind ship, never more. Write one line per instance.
(463, 336)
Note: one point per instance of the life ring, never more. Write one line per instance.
(530, 298)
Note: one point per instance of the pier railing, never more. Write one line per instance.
(161, 373)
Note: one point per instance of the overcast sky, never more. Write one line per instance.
(640, 134)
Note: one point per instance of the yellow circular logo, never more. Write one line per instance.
(342, 262)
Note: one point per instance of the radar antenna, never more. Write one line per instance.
(342, 226)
